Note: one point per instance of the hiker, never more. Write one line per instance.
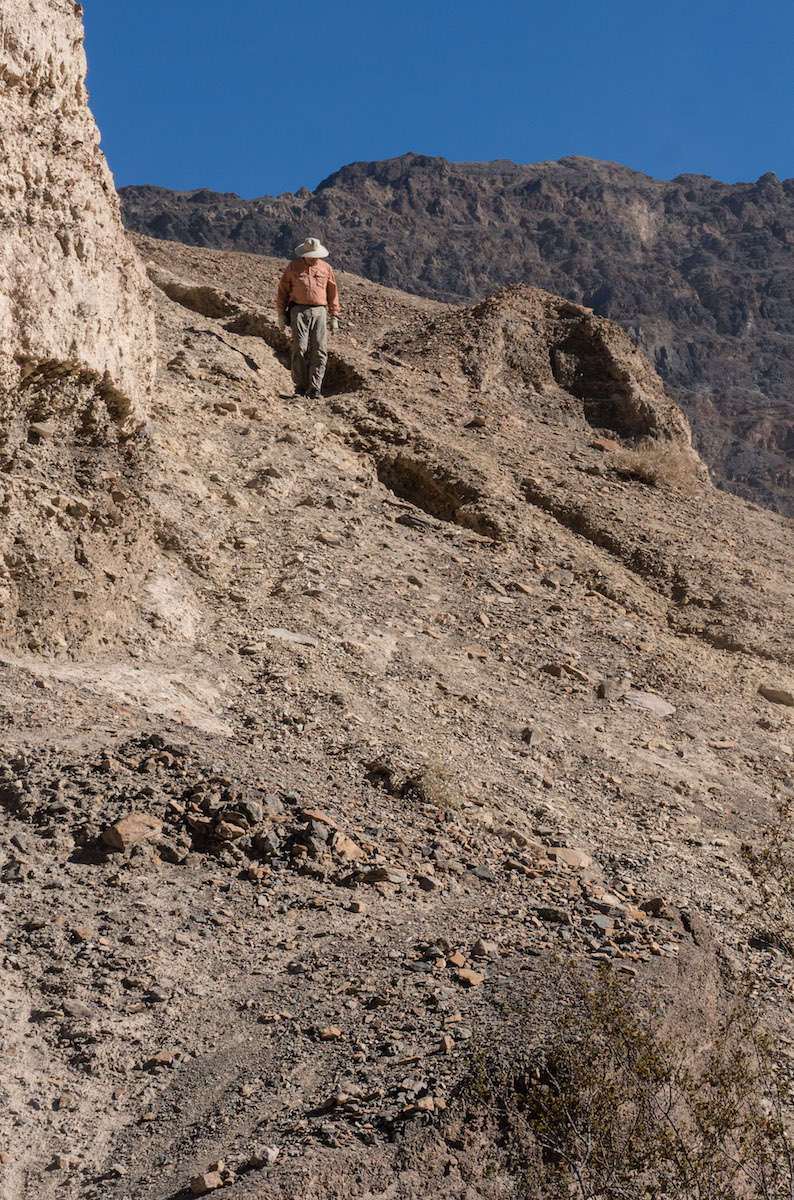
(307, 291)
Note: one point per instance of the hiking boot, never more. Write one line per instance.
(315, 394)
(298, 392)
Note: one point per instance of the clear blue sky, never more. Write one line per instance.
(257, 97)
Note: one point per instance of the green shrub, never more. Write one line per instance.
(609, 1108)
(772, 868)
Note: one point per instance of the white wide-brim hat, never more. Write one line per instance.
(311, 248)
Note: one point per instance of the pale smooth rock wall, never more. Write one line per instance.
(74, 298)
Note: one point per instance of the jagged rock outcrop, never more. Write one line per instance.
(75, 315)
(523, 340)
(698, 272)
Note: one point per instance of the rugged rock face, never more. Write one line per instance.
(522, 340)
(75, 315)
(698, 272)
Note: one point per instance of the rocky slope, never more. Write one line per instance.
(697, 271)
(329, 729)
(76, 328)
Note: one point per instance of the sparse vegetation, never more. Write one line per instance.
(610, 1107)
(660, 464)
(772, 867)
(437, 784)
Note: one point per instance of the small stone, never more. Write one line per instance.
(446, 1044)
(385, 875)
(330, 539)
(652, 703)
(317, 814)
(207, 1182)
(613, 689)
(82, 933)
(483, 949)
(357, 906)
(163, 1058)
(470, 978)
(426, 1104)
(264, 1156)
(331, 1033)
(572, 858)
(250, 809)
(76, 1008)
(558, 916)
(43, 429)
(158, 995)
(777, 695)
(530, 736)
(346, 848)
(279, 635)
(226, 831)
(456, 959)
(137, 827)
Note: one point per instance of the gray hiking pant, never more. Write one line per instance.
(309, 350)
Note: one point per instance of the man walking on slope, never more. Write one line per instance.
(308, 285)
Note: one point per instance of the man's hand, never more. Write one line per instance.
(334, 325)
(282, 324)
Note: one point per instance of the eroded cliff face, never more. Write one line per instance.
(76, 323)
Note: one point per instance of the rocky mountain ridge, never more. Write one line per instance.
(697, 271)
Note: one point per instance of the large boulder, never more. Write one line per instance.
(75, 315)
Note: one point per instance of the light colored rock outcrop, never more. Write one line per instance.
(74, 300)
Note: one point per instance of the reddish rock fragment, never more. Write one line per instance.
(317, 814)
(208, 1182)
(137, 827)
